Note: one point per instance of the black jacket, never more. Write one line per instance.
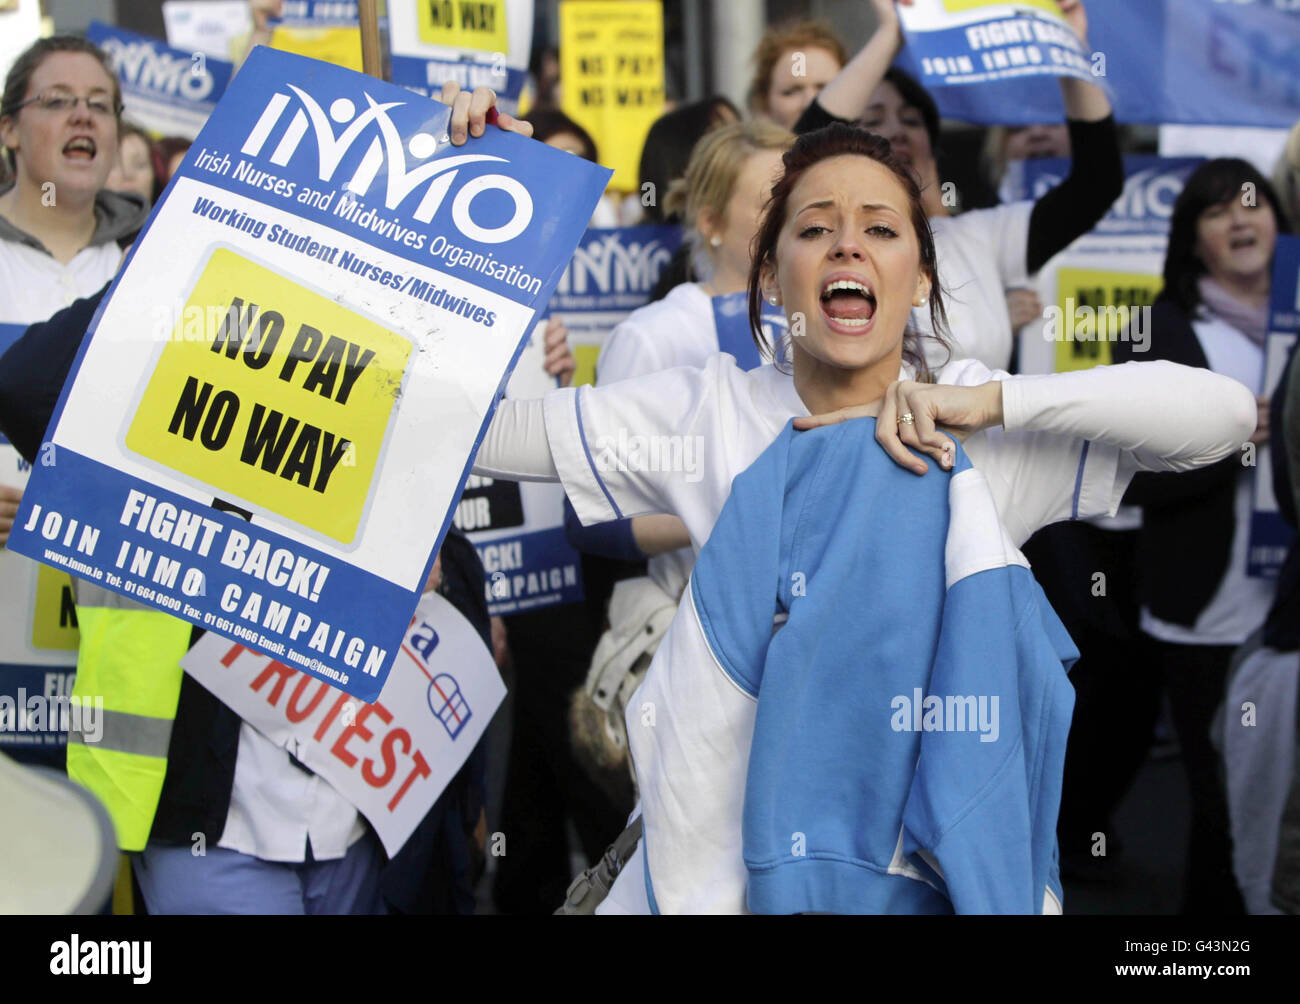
(1188, 521)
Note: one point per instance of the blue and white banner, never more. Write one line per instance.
(271, 422)
(38, 635)
(317, 14)
(612, 273)
(476, 43)
(1211, 62)
(1099, 289)
(1270, 536)
(963, 42)
(165, 91)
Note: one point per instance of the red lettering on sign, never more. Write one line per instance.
(357, 728)
(232, 655)
(421, 768)
(274, 668)
(390, 761)
(291, 712)
(329, 717)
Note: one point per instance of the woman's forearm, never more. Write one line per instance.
(515, 447)
(1166, 416)
(847, 95)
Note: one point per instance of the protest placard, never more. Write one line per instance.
(280, 398)
(328, 30)
(38, 632)
(210, 26)
(1270, 536)
(611, 274)
(612, 65)
(1188, 61)
(1094, 292)
(476, 43)
(20, 26)
(390, 759)
(165, 91)
(980, 41)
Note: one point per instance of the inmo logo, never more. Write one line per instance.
(385, 150)
(143, 65)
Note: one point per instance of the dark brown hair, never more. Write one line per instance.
(20, 73)
(812, 148)
(783, 38)
(1213, 182)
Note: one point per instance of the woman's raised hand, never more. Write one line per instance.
(937, 411)
(469, 113)
(559, 361)
(1075, 16)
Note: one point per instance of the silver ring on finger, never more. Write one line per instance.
(906, 418)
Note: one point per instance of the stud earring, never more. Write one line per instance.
(715, 241)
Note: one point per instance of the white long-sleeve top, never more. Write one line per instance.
(673, 441)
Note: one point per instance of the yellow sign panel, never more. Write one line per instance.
(961, 6)
(54, 624)
(612, 70)
(340, 46)
(585, 371)
(474, 25)
(274, 394)
(1095, 308)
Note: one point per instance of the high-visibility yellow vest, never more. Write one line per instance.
(130, 658)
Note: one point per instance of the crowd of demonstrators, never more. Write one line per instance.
(827, 204)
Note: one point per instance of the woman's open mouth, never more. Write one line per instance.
(80, 148)
(849, 305)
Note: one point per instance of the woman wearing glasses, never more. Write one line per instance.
(58, 241)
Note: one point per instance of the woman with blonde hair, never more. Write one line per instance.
(721, 197)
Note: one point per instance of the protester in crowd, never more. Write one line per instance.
(1282, 628)
(59, 227)
(792, 63)
(1198, 602)
(664, 157)
(133, 169)
(982, 252)
(846, 211)
(1286, 177)
(168, 154)
(668, 147)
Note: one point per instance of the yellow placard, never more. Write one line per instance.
(473, 25)
(612, 72)
(585, 357)
(961, 6)
(1095, 308)
(274, 394)
(54, 623)
(340, 46)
